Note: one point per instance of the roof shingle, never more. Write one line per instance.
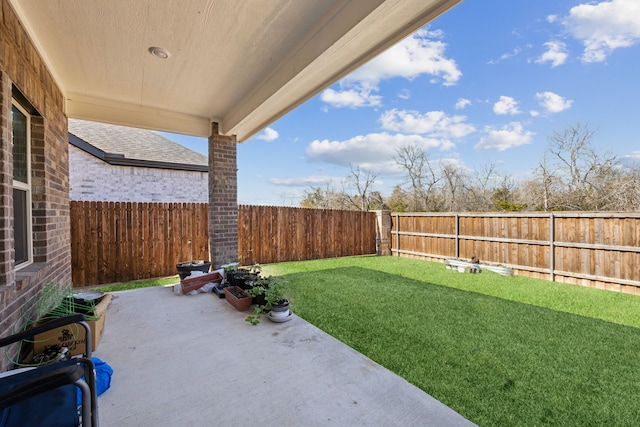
(134, 143)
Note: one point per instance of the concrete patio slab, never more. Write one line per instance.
(194, 361)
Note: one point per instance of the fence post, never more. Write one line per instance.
(552, 250)
(383, 232)
(397, 233)
(457, 236)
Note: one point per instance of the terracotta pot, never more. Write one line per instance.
(237, 298)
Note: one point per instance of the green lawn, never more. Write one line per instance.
(499, 350)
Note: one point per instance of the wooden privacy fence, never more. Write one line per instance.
(121, 241)
(592, 249)
(268, 234)
(116, 242)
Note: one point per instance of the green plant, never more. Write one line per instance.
(254, 268)
(231, 267)
(273, 290)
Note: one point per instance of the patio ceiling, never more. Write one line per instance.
(242, 64)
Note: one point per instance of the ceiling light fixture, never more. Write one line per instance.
(159, 52)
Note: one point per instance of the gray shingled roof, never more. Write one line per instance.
(134, 143)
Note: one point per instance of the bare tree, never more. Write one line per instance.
(624, 189)
(454, 188)
(585, 173)
(340, 196)
(481, 188)
(361, 180)
(325, 198)
(543, 192)
(421, 175)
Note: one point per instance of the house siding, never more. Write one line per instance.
(92, 179)
(22, 67)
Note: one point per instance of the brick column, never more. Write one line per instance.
(7, 274)
(223, 198)
(383, 232)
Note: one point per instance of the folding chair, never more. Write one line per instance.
(48, 395)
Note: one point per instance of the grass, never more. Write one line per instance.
(499, 350)
(164, 281)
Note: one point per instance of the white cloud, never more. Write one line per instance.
(373, 150)
(605, 26)
(462, 103)
(404, 94)
(269, 134)
(305, 181)
(436, 124)
(631, 160)
(351, 98)
(514, 52)
(556, 53)
(552, 102)
(422, 53)
(552, 18)
(506, 105)
(505, 137)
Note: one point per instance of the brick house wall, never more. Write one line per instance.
(92, 179)
(23, 74)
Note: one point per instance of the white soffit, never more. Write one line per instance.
(242, 64)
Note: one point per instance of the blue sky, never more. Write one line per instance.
(487, 82)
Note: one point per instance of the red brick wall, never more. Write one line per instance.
(22, 69)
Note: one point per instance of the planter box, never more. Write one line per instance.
(191, 284)
(237, 298)
(187, 267)
(71, 335)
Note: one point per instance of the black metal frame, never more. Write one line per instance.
(79, 371)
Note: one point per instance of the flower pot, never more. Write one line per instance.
(185, 268)
(280, 310)
(237, 298)
(241, 279)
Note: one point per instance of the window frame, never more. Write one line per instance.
(26, 187)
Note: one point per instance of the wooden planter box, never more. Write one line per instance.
(237, 298)
(191, 284)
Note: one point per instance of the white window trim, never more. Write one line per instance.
(26, 187)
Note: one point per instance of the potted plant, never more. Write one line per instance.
(238, 298)
(185, 268)
(276, 306)
(242, 276)
(256, 288)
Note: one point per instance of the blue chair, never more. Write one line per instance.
(47, 396)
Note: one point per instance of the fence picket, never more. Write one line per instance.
(596, 249)
(123, 241)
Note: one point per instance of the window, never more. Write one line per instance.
(21, 185)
